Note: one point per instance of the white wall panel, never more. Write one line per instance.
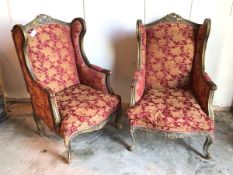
(156, 9)
(12, 76)
(218, 54)
(24, 11)
(214, 9)
(110, 40)
(224, 94)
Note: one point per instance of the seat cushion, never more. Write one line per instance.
(171, 110)
(82, 107)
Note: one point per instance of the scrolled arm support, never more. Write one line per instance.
(203, 89)
(132, 89)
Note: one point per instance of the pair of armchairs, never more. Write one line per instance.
(171, 94)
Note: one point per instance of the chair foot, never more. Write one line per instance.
(132, 146)
(117, 119)
(38, 124)
(38, 132)
(68, 147)
(208, 142)
(68, 155)
(119, 126)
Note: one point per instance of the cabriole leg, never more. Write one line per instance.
(133, 139)
(38, 124)
(208, 142)
(68, 147)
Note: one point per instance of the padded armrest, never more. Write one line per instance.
(203, 88)
(137, 87)
(96, 77)
(207, 79)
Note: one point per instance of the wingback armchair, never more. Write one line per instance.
(171, 94)
(70, 95)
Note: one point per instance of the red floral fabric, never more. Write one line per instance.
(170, 110)
(88, 74)
(170, 52)
(82, 107)
(52, 56)
(202, 88)
(201, 83)
(39, 98)
(139, 75)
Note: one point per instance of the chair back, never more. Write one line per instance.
(50, 53)
(170, 48)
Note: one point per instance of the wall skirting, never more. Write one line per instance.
(18, 99)
(222, 108)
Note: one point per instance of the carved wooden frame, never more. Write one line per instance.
(175, 135)
(19, 34)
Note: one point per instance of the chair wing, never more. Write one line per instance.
(90, 75)
(201, 83)
(138, 84)
(43, 105)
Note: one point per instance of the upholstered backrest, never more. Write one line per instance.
(169, 52)
(51, 54)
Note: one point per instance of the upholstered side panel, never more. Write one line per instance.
(40, 99)
(52, 56)
(170, 52)
(89, 74)
(139, 75)
(201, 82)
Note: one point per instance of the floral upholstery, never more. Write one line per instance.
(201, 82)
(70, 95)
(170, 110)
(139, 75)
(89, 75)
(176, 98)
(39, 97)
(52, 56)
(82, 107)
(170, 53)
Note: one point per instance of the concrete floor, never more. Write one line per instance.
(22, 151)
